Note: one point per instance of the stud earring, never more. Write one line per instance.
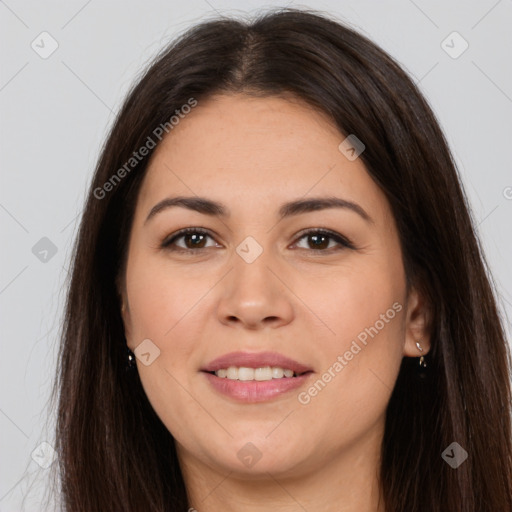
(130, 360)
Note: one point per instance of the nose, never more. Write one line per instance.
(255, 295)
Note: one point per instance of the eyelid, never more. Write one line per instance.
(340, 239)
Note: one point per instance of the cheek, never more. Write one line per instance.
(353, 299)
(164, 308)
(161, 296)
(362, 359)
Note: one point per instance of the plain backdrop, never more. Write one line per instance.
(56, 109)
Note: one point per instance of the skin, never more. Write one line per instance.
(253, 154)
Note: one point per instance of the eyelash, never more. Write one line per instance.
(344, 242)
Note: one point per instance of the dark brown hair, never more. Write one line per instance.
(116, 454)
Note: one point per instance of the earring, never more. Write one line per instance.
(422, 363)
(421, 372)
(130, 360)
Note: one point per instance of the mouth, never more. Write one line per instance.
(255, 377)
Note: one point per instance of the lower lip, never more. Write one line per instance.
(254, 391)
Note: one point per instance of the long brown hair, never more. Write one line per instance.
(115, 453)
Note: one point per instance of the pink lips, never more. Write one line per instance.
(256, 391)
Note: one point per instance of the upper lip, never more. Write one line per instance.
(255, 360)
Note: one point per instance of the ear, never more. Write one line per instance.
(417, 325)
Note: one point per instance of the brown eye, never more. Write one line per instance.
(193, 239)
(320, 240)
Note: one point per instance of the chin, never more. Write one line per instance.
(252, 457)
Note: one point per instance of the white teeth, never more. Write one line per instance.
(263, 373)
(232, 373)
(260, 374)
(245, 373)
(277, 373)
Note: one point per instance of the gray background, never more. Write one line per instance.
(55, 112)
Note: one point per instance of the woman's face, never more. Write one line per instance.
(259, 287)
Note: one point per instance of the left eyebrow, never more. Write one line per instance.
(297, 207)
(321, 203)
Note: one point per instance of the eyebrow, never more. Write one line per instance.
(289, 209)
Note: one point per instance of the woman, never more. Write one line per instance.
(278, 301)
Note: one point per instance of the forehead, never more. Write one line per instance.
(256, 151)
